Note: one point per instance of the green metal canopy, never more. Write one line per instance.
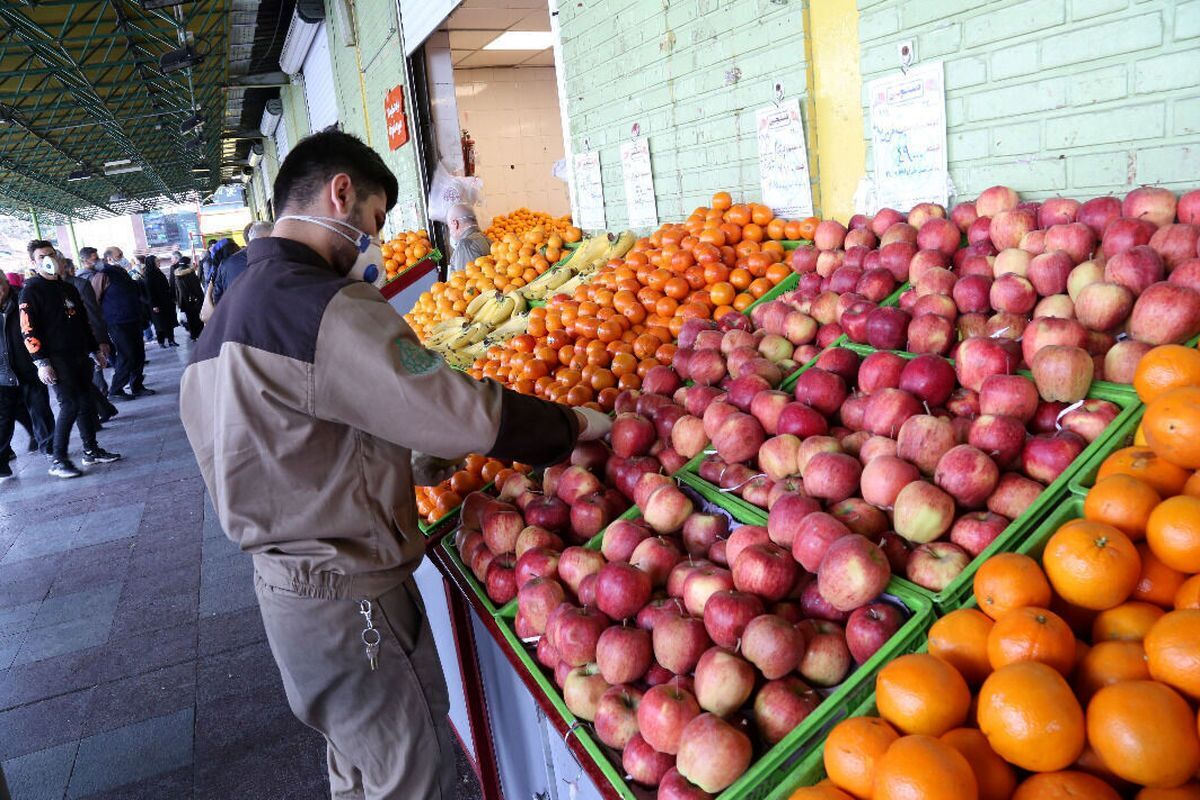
(94, 121)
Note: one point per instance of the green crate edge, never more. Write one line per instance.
(959, 590)
(1122, 434)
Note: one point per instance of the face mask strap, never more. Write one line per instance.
(361, 243)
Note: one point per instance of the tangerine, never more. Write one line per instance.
(1126, 622)
(721, 201)
(1110, 662)
(1172, 425)
(1122, 501)
(1188, 595)
(1166, 367)
(1189, 791)
(995, 777)
(1065, 785)
(960, 639)
(1158, 583)
(853, 750)
(1091, 565)
(1173, 533)
(1145, 733)
(1007, 581)
(1031, 717)
(1141, 462)
(924, 767)
(919, 693)
(822, 791)
(1032, 634)
(1173, 650)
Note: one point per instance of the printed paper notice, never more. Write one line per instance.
(908, 137)
(589, 192)
(783, 161)
(639, 184)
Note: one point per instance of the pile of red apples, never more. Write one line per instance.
(690, 642)
(927, 460)
(1109, 278)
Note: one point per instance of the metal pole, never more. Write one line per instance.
(74, 241)
(37, 225)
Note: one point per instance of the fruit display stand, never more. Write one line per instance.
(403, 290)
(600, 764)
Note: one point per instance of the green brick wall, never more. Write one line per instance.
(692, 73)
(1072, 97)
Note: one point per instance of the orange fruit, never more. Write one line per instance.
(1158, 583)
(960, 639)
(1030, 717)
(1145, 733)
(721, 201)
(853, 749)
(1126, 622)
(1173, 650)
(1188, 595)
(926, 768)
(1189, 791)
(1166, 367)
(920, 693)
(1122, 501)
(1172, 425)
(1192, 487)
(1141, 462)
(1107, 663)
(1091, 565)
(822, 791)
(1066, 785)
(1173, 533)
(1010, 580)
(1032, 634)
(994, 776)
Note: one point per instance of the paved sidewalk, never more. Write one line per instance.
(133, 662)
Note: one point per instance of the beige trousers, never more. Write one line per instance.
(387, 731)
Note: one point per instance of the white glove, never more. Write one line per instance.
(593, 424)
(430, 470)
(47, 375)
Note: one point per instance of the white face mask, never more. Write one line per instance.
(366, 266)
(47, 267)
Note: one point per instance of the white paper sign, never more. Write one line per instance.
(908, 137)
(639, 184)
(589, 192)
(783, 161)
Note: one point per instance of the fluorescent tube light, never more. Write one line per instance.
(521, 40)
(120, 162)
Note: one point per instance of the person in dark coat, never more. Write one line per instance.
(189, 293)
(162, 303)
(120, 299)
(22, 395)
(83, 284)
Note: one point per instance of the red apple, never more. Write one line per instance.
(968, 475)
(576, 631)
(786, 516)
(1001, 436)
(936, 564)
(1012, 293)
(1175, 243)
(1135, 269)
(656, 556)
(996, 199)
(831, 476)
(929, 378)
(1046, 456)
(1151, 203)
(1188, 207)
(827, 659)
(1098, 212)
(623, 654)
(643, 763)
(1008, 227)
(533, 536)
(589, 516)
(773, 645)
(884, 477)
(1165, 313)
(666, 508)
(701, 530)
(500, 578)
(1124, 234)
(1014, 493)
(938, 304)
(931, 333)
(816, 533)
(1062, 373)
(1011, 261)
(663, 713)
(1091, 419)
(1121, 361)
(676, 787)
(660, 609)
(703, 584)
(1056, 305)
(1057, 211)
(870, 627)
(975, 531)
(621, 591)
(582, 690)
(678, 643)
(576, 563)
(963, 403)
(874, 447)
(502, 524)
(887, 328)
(1103, 306)
(616, 715)
(801, 420)
(971, 294)
(723, 681)
(765, 569)
(1049, 271)
(713, 754)
(923, 439)
(923, 512)
(880, 371)
(979, 357)
(939, 234)
(537, 562)
(853, 572)
(726, 615)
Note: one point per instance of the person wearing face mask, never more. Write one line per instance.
(60, 342)
(466, 239)
(120, 300)
(307, 401)
(23, 398)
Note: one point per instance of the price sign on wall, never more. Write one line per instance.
(397, 122)
(639, 184)
(908, 137)
(589, 191)
(783, 161)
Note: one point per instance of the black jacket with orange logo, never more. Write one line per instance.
(54, 321)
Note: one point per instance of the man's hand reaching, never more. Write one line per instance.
(593, 424)
(430, 470)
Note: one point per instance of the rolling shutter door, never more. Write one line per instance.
(319, 92)
(419, 18)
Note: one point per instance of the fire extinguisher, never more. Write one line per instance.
(468, 154)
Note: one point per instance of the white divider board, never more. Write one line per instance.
(430, 583)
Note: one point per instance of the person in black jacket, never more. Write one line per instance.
(22, 395)
(162, 303)
(95, 316)
(121, 302)
(189, 293)
(57, 335)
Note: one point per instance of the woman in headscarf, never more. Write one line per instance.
(162, 303)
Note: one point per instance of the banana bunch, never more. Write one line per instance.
(437, 336)
(498, 308)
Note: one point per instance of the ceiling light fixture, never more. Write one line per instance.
(79, 175)
(122, 170)
(179, 59)
(521, 40)
(150, 5)
(191, 123)
(120, 162)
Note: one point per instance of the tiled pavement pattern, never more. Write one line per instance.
(133, 662)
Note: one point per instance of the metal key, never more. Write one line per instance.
(370, 635)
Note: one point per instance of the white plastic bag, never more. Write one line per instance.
(447, 190)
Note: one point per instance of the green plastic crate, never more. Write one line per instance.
(1122, 433)
(959, 590)
(763, 775)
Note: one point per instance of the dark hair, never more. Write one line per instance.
(36, 244)
(87, 252)
(151, 260)
(316, 159)
(211, 242)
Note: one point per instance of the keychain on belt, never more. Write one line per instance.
(370, 634)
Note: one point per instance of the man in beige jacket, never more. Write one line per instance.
(304, 402)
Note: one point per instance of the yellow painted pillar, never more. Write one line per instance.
(836, 91)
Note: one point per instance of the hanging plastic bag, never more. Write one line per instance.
(447, 190)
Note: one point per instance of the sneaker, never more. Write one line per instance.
(109, 414)
(120, 394)
(143, 392)
(99, 455)
(162, 345)
(33, 446)
(173, 344)
(64, 469)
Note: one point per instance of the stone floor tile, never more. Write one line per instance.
(132, 753)
(228, 631)
(61, 639)
(42, 775)
(147, 651)
(175, 785)
(47, 723)
(151, 694)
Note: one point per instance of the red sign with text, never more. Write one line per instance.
(397, 122)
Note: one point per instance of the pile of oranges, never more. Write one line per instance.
(523, 220)
(434, 502)
(514, 261)
(404, 250)
(1074, 676)
(584, 348)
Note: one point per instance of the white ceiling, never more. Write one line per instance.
(477, 22)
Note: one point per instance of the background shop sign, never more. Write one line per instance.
(783, 161)
(589, 192)
(640, 205)
(908, 137)
(397, 122)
